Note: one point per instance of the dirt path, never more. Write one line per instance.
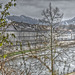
(72, 73)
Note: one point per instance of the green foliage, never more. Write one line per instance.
(13, 35)
(14, 0)
(14, 4)
(4, 37)
(0, 6)
(5, 12)
(4, 56)
(1, 44)
(20, 45)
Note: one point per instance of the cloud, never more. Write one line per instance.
(34, 8)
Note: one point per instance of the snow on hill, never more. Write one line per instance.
(23, 19)
(30, 20)
(68, 22)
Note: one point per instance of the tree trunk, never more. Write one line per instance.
(51, 52)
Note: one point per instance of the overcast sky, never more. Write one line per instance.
(33, 8)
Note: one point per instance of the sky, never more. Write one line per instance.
(34, 8)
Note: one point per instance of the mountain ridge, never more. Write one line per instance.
(69, 21)
(30, 20)
(23, 18)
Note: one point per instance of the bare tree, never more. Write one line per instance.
(52, 17)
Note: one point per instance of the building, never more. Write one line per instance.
(26, 33)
